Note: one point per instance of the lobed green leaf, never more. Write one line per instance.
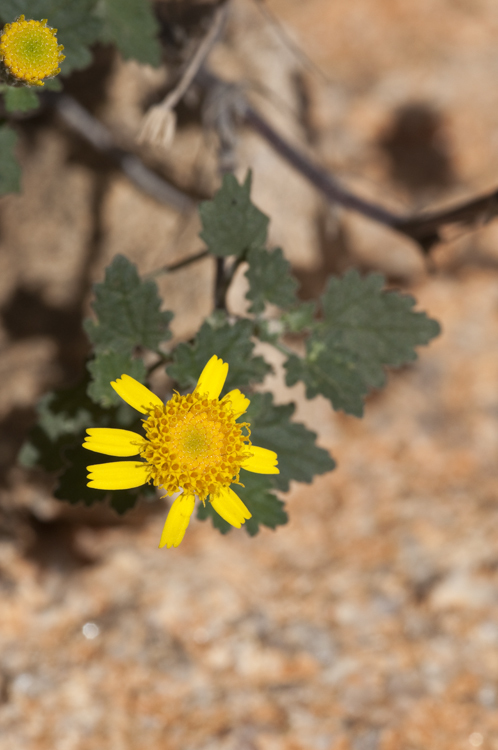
(128, 312)
(108, 366)
(233, 343)
(364, 329)
(300, 317)
(270, 279)
(331, 371)
(262, 503)
(299, 458)
(231, 224)
(133, 28)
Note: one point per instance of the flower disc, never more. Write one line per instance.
(194, 442)
(29, 52)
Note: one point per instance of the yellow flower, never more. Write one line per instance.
(29, 52)
(193, 443)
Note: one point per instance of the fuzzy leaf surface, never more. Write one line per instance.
(20, 99)
(270, 279)
(128, 311)
(299, 458)
(232, 343)
(300, 317)
(108, 366)
(10, 171)
(133, 28)
(231, 223)
(364, 329)
(75, 21)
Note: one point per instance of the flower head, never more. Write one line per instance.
(192, 444)
(29, 52)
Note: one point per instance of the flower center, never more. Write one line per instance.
(194, 443)
(29, 51)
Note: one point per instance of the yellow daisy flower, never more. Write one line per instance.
(193, 443)
(29, 53)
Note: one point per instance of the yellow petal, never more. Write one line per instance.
(212, 377)
(177, 521)
(135, 394)
(230, 507)
(262, 461)
(113, 442)
(118, 475)
(238, 402)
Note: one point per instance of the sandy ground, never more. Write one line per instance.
(370, 621)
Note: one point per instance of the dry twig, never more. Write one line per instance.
(159, 124)
(426, 228)
(81, 121)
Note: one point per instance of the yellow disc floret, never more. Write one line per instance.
(194, 442)
(29, 52)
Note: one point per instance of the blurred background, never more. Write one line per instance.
(370, 621)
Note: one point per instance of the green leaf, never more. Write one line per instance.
(262, 503)
(128, 312)
(331, 371)
(77, 26)
(132, 26)
(10, 171)
(20, 99)
(62, 416)
(53, 84)
(270, 280)
(39, 451)
(109, 366)
(364, 329)
(299, 458)
(72, 481)
(55, 444)
(231, 224)
(300, 317)
(230, 342)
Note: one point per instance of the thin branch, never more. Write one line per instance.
(92, 130)
(163, 360)
(176, 266)
(425, 228)
(428, 225)
(319, 177)
(221, 285)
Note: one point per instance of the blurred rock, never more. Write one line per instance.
(377, 248)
